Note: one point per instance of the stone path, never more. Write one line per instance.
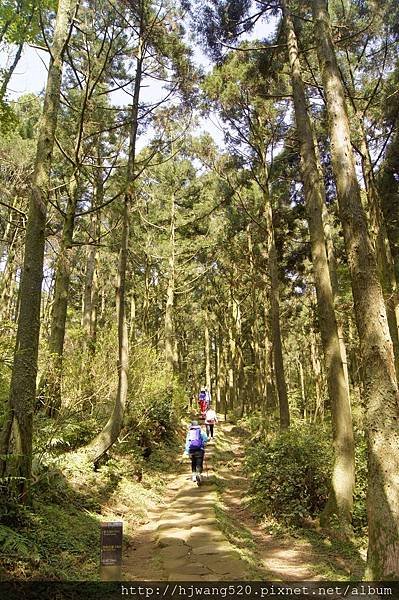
(184, 543)
(207, 533)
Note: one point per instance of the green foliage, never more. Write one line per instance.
(54, 542)
(6, 352)
(7, 118)
(13, 543)
(359, 498)
(68, 432)
(28, 110)
(61, 531)
(20, 21)
(290, 473)
(155, 400)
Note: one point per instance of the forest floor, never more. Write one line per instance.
(209, 533)
(173, 530)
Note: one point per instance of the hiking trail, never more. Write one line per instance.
(207, 533)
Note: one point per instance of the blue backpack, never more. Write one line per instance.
(195, 439)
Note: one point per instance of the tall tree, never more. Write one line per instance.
(343, 478)
(16, 436)
(244, 105)
(113, 426)
(378, 365)
(91, 115)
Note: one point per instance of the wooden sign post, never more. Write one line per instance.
(111, 551)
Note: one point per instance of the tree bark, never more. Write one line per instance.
(274, 295)
(231, 358)
(218, 370)
(332, 265)
(90, 290)
(170, 294)
(257, 377)
(378, 364)
(23, 382)
(8, 277)
(385, 263)
(340, 501)
(388, 187)
(50, 386)
(90, 294)
(9, 72)
(109, 434)
(207, 346)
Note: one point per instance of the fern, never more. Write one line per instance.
(13, 543)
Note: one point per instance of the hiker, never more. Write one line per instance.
(202, 402)
(196, 440)
(210, 420)
(207, 397)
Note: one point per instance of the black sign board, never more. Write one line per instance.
(111, 543)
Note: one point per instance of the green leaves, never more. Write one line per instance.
(13, 543)
(290, 474)
(19, 19)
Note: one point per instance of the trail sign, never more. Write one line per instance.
(111, 543)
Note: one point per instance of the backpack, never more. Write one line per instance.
(202, 396)
(195, 439)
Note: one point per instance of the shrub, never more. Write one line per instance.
(290, 473)
(155, 400)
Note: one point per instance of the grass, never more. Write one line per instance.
(51, 542)
(341, 558)
(58, 538)
(237, 534)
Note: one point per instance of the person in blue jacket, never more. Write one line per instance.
(196, 441)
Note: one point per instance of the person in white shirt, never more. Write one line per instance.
(210, 420)
(207, 397)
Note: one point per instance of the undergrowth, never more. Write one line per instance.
(57, 538)
(290, 475)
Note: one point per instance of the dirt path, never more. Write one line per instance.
(206, 533)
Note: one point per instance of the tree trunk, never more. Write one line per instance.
(378, 364)
(332, 265)
(132, 319)
(90, 290)
(274, 295)
(23, 382)
(218, 370)
(318, 384)
(8, 278)
(207, 355)
(170, 295)
(9, 72)
(302, 388)
(231, 357)
(90, 294)
(388, 187)
(257, 376)
(109, 434)
(50, 386)
(384, 257)
(340, 501)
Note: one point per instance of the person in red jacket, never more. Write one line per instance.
(202, 401)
